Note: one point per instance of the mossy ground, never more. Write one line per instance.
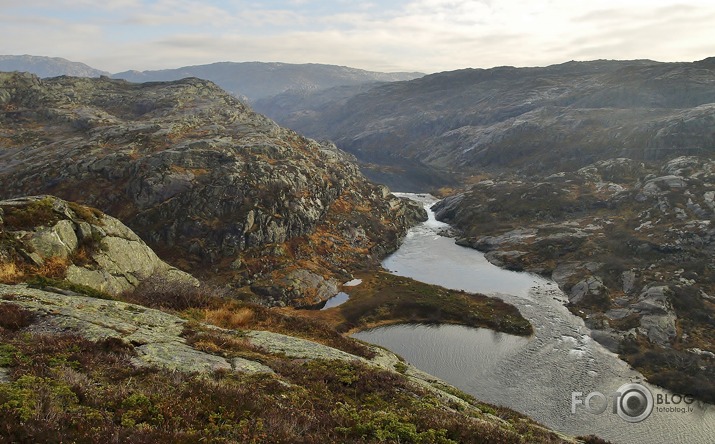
(64, 388)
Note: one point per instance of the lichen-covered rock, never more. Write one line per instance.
(296, 347)
(505, 259)
(59, 240)
(659, 185)
(298, 285)
(659, 329)
(155, 335)
(97, 250)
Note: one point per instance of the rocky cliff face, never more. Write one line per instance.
(212, 186)
(631, 243)
(531, 119)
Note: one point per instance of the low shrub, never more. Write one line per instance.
(160, 292)
(10, 273)
(13, 317)
(33, 214)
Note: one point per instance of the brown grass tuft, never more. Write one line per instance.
(86, 213)
(160, 292)
(54, 267)
(227, 318)
(10, 273)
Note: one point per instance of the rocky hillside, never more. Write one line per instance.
(530, 119)
(631, 243)
(101, 340)
(258, 80)
(213, 187)
(79, 362)
(48, 66)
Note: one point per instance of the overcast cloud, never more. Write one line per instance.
(392, 35)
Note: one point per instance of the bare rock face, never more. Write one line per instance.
(210, 185)
(155, 335)
(88, 247)
(302, 284)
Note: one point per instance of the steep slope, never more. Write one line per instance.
(399, 173)
(213, 187)
(48, 66)
(530, 119)
(257, 80)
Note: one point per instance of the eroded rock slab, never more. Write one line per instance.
(156, 335)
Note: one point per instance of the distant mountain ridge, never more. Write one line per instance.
(257, 80)
(250, 81)
(48, 66)
(533, 120)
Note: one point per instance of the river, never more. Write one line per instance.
(538, 375)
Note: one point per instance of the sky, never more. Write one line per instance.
(391, 35)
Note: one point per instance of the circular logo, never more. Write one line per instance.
(635, 403)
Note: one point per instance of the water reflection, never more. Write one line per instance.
(336, 300)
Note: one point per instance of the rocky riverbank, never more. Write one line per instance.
(630, 243)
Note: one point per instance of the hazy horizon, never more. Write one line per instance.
(396, 35)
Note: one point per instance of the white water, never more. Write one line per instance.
(536, 375)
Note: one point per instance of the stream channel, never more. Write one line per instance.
(537, 375)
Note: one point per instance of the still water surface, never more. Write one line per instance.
(536, 375)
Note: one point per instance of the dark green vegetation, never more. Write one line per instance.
(677, 370)
(384, 298)
(36, 213)
(632, 245)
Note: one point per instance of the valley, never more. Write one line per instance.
(596, 175)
